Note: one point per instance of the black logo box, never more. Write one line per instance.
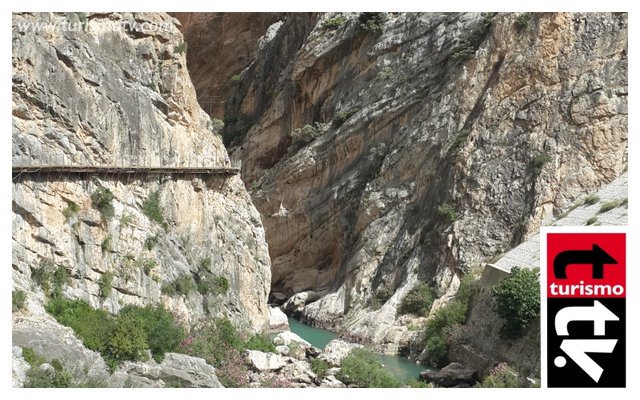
(613, 364)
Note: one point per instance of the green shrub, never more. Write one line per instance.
(452, 313)
(608, 205)
(416, 384)
(333, 23)
(60, 278)
(502, 376)
(207, 283)
(592, 220)
(436, 350)
(382, 294)
(319, 367)
(235, 80)
(306, 134)
(93, 327)
(106, 244)
(151, 242)
(205, 263)
(470, 42)
(181, 48)
(151, 207)
(125, 337)
(522, 22)
(518, 301)
(209, 340)
(460, 137)
(539, 161)
(341, 117)
(146, 264)
(447, 211)
(105, 284)
(260, 343)
(128, 342)
(43, 273)
(372, 22)
(182, 285)
(163, 332)
(379, 151)
(18, 298)
(624, 202)
(222, 283)
(31, 357)
(126, 219)
(418, 301)
(591, 200)
(216, 124)
(70, 209)
(362, 368)
(40, 378)
(102, 200)
(47, 275)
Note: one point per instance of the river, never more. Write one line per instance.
(401, 368)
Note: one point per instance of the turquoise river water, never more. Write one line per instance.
(402, 368)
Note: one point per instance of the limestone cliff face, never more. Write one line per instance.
(461, 135)
(114, 96)
(221, 45)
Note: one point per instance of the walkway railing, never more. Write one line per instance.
(231, 168)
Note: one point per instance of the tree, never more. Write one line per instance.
(518, 301)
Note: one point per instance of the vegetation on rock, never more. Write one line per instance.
(102, 200)
(418, 301)
(445, 319)
(372, 22)
(361, 367)
(447, 211)
(181, 48)
(470, 42)
(126, 336)
(501, 376)
(517, 301)
(333, 23)
(18, 298)
(151, 207)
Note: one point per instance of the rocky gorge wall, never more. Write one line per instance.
(123, 97)
(432, 147)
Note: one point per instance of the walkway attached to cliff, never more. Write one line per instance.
(233, 168)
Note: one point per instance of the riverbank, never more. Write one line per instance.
(401, 368)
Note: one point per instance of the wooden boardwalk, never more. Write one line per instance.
(19, 170)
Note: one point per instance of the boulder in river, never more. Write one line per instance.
(278, 320)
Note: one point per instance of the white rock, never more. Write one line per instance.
(260, 361)
(336, 351)
(278, 321)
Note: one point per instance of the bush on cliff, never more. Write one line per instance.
(418, 301)
(362, 368)
(444, 319)
(518, 301)
(102, 200)
(122, 337)
(221, 345)
(372, 22)
(151, 207)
